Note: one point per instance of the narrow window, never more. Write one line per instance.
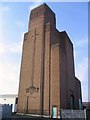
(72, 102)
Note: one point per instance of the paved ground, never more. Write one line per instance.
(24, 117)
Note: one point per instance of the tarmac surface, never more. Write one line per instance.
(27, 117)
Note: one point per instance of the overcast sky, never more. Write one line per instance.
(14, 18)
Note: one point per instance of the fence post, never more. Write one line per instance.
(61, 114)
(85, 114)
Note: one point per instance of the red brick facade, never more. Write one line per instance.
(47, 76)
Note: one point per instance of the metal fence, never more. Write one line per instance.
(81, 114)
(5, 111)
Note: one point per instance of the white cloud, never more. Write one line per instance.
(35, 4)
(82, 59)
(15, 47)
(82, 70)
(4, 8)
(10, 48)
(81, 42)
(9, 77)
(81, 64)
(2, 48)
(85, 94)
(82, 75)
(9, 68)
(20, 24)
(3, 12)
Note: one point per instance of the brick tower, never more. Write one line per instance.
(47, 75)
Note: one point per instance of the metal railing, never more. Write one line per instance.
(72, 113)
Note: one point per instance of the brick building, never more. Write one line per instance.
(47, 76)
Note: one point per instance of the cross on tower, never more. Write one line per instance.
(33, 60)
(33, 89)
